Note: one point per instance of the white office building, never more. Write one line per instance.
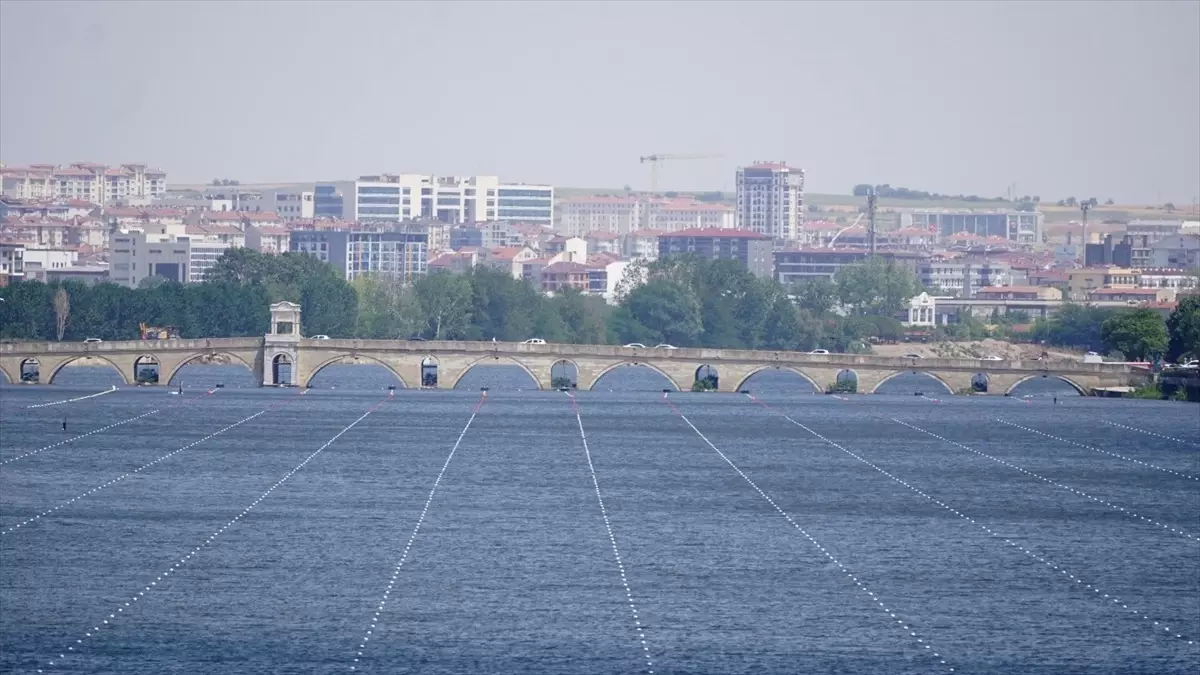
(770, 199)
(137, 255)
(448, 199)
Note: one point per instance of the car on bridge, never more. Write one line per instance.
(92, 341)
(534, 341)
(320, 337)
(665, 346)
(819, 351)
(636, 345)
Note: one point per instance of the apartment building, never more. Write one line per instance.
(1023, 227)
(963, 278)
(1081, 282)
(1018, 293)
(399, 255)
(770, 200)
(640, 244)
(96, 183)
(800, 265)
(185, 259)
(752, 249)
(494, 234)
(12, 263)
(1144, 234)
(579, 216)
(519, 203)
(270, 239)
(1180, 251)
(290, 205)
(673, 215)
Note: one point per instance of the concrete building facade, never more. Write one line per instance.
(770, 200)
(398, 255)
(752, 249)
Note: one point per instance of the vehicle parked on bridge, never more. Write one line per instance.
(665, 346)
(320, 337)
(92, 340)
(819, 351)
(636, 345)
(534, 341)
(912, 356)
(991, 357)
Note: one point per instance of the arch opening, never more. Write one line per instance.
(779, 379)
(281, 370)
(212, 368)
(429, 372)
(846, 382)
(1045, 384)
(90, 370)
(629, 376)
(497, 372)
(706, 378)
(979, 383)
(564, 375)
(912, 382)
(31, 371)
(146, 370)
(353, 371)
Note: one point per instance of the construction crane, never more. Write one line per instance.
(658, 158)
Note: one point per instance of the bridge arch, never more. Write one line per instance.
(801, 373)
(332, 360)
(65, 362)
(620, 364)
(898, 373)
(499, 359)
(199, 355)
(1074, 385)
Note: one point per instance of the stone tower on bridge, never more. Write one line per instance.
(281, 347)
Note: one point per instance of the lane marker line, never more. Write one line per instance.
(1129, 512)
(112, 617)
(612, 539)
(110, 426)
(362, 645)
(1151, 433)
(72, 400)
(145, 466)
(905, 625)
(1106, 452)
(1077, 581)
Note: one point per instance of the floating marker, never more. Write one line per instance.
(220, 385)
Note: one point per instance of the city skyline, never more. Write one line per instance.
(1065, 101)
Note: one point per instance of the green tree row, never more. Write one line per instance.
(1138, 334)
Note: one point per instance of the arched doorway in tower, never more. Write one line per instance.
(281, 370)
(429, 372)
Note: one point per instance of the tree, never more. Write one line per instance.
(62, 311)
(1109, 201)
(1169, 207)
(668, 311)
(1138, 334)
(445, 300)
(1070, 201)
(876, 286)
(817, 295)
(1183, 328)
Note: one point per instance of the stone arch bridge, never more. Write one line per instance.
(453, 359)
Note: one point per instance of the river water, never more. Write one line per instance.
(780, 532)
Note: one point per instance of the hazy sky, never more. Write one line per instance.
(1075, 98)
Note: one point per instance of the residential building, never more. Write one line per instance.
(1024, 227)
(12, 263)
(570, 249)
(85, 274)
(579, 216)
(520, 203)
(40, 259)
(455, 262)
(1144, 234)
(1081, 282)
(1179, 251)
(672, 215)
(290, 205)
(640, 244)
(186, 259)
(88, 181)
(604, 278)
(229, 235)
(36, 231)
(494, 234)
(1131, 295)
(800, 265)
(770, 200)
(603, 242)
(329, 200)
(400, 255)
(752, 249)
(270, 239)
(560, 276)
(1176, 279)
(1018, 293)
(962, 278)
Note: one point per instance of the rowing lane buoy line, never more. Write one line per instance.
(1151, 433)
(1128, 512)
(143, 467)
(106, 428)
(111, 619)
(72, 400)
(612, 539)
(925, 644)
(362, 645)
(1075, 581)
(1106, 452)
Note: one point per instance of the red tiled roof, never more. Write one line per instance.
(1010, 289)
(715, 233)
(505, 253)
(565, 268)
(600, 235)
(647, 233)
